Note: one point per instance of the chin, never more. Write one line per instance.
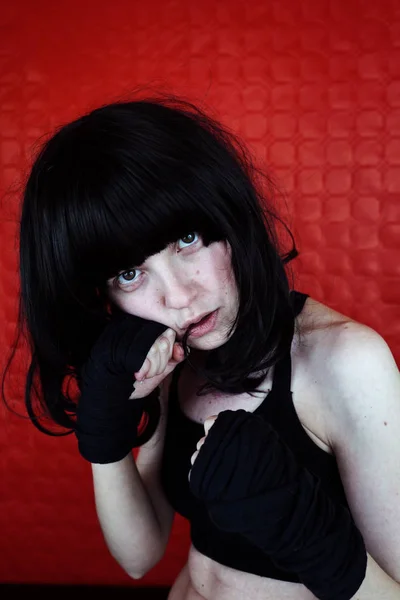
(207, 342)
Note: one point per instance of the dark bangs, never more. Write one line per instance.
(112, 226)
(110, 199)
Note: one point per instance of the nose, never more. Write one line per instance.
(178, 290)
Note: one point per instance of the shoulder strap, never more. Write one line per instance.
(283, 369)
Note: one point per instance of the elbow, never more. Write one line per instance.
(134, 572)
(135, 575)
(138, 572)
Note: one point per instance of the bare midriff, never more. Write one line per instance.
(204, 579)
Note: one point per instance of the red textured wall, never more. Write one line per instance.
(312, 85)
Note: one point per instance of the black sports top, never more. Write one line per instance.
(182, 435)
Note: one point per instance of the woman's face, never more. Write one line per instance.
(181, 284)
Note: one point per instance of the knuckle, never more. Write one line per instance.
(152, 350)
(150, 373)
(164, 345)
(145, 367)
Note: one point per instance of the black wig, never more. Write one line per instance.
(110, 189)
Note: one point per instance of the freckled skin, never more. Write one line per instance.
(180, 284)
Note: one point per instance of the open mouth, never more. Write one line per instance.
(205, 325)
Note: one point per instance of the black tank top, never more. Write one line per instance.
(182, 435)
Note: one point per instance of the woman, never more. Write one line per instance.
(148, 247)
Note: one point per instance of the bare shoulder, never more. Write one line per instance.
(327, 333)
(318, 317)
(330, 352)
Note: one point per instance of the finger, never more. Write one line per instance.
(200, 443)
(165, 356)
(159, 357)
(193, 458)
(164, 362)
(170, 334)
(209, 422)
(141, 374)
(178, 353)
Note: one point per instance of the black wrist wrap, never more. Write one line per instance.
(107, 420)
(253, 485)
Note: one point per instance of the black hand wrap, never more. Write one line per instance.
(252, 485)
(107, 421)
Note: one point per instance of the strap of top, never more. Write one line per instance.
(298, 300)
(282, 381)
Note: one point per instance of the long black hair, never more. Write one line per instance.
(110, 189)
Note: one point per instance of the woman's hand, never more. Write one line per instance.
(162, 358)
(208, 423)
(106, 419)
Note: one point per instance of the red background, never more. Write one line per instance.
(313, 86)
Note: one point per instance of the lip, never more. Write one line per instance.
(194, 322)
(206, 325)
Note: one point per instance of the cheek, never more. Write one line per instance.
(127, 303)
(221, 259)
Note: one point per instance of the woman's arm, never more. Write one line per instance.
(134, 513)
(362, 384)
(127, 517)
